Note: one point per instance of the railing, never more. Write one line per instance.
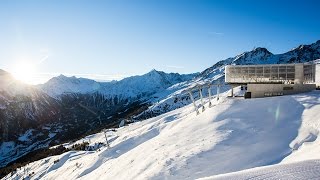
(200, 88)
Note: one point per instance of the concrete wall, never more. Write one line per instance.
(264, 90)
(299, 76)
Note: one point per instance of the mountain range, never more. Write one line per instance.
(68, 108)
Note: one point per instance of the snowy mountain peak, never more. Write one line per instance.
(251, 57)
(63, 84)
(3, 72)
(300, 47)
(62, 77)
(6, 76)
(261, 50)
(154, 72)
(302, 53)
(304, 47)
(130, 87)
(7, 80)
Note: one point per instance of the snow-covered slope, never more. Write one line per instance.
(233, 135)
(304, 161)
(309, 169)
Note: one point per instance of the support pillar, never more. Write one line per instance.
(201, 97)
(209, 91)
(105, 135)
(218, 91)
(194, 103)
(232, 91)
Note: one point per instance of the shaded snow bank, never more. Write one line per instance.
(307, 144)
(299, 170)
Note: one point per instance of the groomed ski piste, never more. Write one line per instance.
(275, 136)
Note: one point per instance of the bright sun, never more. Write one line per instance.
(24, 71)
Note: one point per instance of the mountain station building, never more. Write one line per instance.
(274, 79)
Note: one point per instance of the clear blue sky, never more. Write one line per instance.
(113, 39)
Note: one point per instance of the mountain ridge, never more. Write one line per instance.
(57, 86)
(260, 55)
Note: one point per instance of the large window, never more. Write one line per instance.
(309, 73)
(261, 73)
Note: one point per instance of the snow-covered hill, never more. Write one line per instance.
(233, 135)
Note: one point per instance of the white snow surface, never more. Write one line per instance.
(309, 169)
(26, 135)
(233, 135)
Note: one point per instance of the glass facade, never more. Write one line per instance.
(309, 73)
(275, 73)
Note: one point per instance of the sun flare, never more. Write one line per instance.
(24, 71)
